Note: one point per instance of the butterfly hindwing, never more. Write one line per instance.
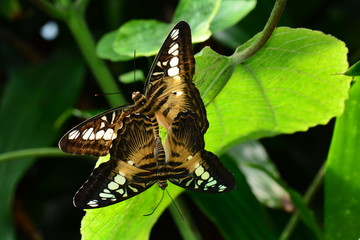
(95, 135)
(130, 170)
(193, 167)
(169, 86)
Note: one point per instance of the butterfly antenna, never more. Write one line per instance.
(175, 204)
(104, 94)
(146, 215)
(134, 66)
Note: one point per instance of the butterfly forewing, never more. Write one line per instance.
(130, 170)
(191, 166)
(169, 86)
(95, 135)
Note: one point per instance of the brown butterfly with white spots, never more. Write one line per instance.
(130, 134)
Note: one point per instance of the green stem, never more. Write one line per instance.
(239, 57)
(186, 226)
(33, 152)
(312, 190)
(79, 29)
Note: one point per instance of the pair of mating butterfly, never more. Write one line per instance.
(130, 134)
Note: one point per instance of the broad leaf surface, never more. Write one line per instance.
(105, 50)
(290, 85)
(230, 13)
(199, 15)
(342, 179)
(33, 99)
(146, 36)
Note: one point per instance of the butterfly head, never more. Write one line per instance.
(162, 184)
(138, 98)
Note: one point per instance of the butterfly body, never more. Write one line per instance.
(139, 158)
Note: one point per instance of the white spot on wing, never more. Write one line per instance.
(173, 71)
(74, 134)
(173, 49)
(205, 175)
(222, 188)
(102, 124)
(212, 183)
(174, 34)
(113, 117)
(157, 73)
(87, 133)
(106, 195)
(92, 136)
(199, 170)
(120, 179)
(179, 93)
(93, 203)
(113, 185)
(175, 53)
(133, 189)
(108, 135)
(104, 118)
(99, 134)
(189, 182)
(174, 62)
(176, 79)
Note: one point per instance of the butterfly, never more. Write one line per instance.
(130, 135)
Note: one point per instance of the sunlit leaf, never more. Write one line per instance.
(342, 179)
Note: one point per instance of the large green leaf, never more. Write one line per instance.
(230, 13)
(290, 85)
(199, 15)
(146, 36)
(33, 99)
(105, 50)
(342, 178)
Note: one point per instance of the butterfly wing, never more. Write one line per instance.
(191, 166)
(169, 85)
(95, 135)
(130, 170)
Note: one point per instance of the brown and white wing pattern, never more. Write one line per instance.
(130, 135)
(95, 135)
(190, 166)
(169, 86)
(130, 170)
